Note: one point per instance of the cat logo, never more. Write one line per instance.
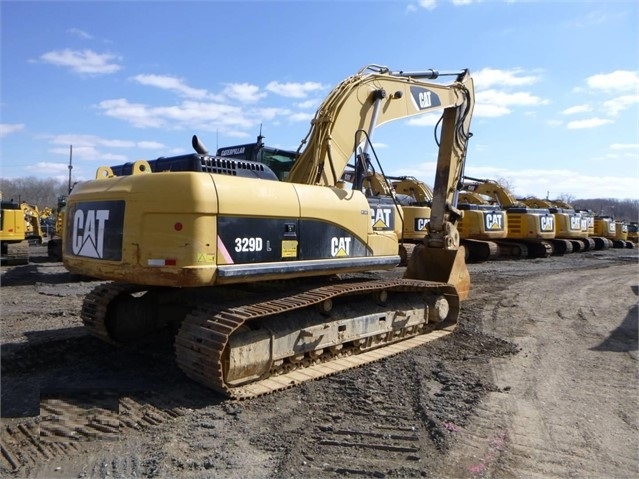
(382, 218)
(494, 221)
(88, 232)
(547, 223)
(584, 224)
(424, 98)
(575, 223)
(421, 224)
(340, 247)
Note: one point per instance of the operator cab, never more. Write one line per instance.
(279, 161)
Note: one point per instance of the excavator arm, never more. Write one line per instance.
(370, 98)
(344, 123)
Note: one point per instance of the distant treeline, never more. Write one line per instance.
(624, 210)
(35, 191)
(43, 193)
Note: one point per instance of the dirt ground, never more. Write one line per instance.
(540, 379)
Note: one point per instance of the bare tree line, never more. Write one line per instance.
(35, 191)
(43, 193)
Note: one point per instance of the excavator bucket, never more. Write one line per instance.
(444, 266)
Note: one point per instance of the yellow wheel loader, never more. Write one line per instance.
(277, 278)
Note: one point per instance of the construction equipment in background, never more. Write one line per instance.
(54, 245)
(604, 231)
(412, 195)
(482, 227)
(13, 240)
(633, 232)
(33, 228)
(529, 229)
(478, 227)
(569, 233)
(271, 282)
(621, 236)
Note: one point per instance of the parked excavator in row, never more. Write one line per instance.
(276, 277)
(571, 235)
(20, 228)
(13, 236)
(529, 231)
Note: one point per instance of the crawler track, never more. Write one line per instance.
(215, 322)
(203, 341)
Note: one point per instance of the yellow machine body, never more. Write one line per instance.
(270, 274)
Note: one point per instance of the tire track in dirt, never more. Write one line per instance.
(67, 425)
(559, 411)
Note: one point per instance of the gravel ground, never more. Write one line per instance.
(538, 380)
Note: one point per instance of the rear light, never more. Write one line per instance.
(162, 262)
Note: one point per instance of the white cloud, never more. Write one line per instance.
(301, 116)
(9, 128)
(294, 90)
(428, 119)
(49, 167)
(85, 145)
(80, 33)
(494, 103)
(620, 103)
(490, 77)
(577, 109)
(495, 95)
(171, 83)
(464, 2)
(589, 123)
(84, 62)
(244, 92)
(150, 145)
(626, 146)
(308, 104)
(191, 114)
(490, 111)
(617, 81)
(428, 4)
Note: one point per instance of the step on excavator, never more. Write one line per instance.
(275, 279)
(529, 230)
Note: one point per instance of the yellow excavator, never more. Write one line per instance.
(13, 236)
(569, 235)
(528, 229)
(33, 228)
(275, 282)
(482, 227)
(54, 245)
(633, 232)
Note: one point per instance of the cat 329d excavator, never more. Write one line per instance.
(275, 282)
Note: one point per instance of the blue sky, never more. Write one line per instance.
(557, 83)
